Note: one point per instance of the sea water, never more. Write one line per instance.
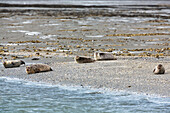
(17, 96)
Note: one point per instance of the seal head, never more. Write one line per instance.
(159, 69)
(22, 62)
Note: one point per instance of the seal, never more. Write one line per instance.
(37, 68)
(79, 59)
(104, 56)
(13, 63)
(159, 69)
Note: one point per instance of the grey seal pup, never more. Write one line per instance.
(37, 68)
(79, 59)
(104, 56)
(159, 69)
(13, 63)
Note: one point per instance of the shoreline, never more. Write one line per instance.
(133, 76)
(71, 87)
(75, 5)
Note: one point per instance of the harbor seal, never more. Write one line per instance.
(13, 63)
(159, 69)
(37, 68)
(79, 59)
(104, 56)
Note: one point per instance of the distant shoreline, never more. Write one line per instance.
(78, 6)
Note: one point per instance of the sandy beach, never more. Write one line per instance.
(137, 37)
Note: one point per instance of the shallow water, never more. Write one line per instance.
(25, 97)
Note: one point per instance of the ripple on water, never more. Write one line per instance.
(26, 96)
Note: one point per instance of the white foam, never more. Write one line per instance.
(137, 52)
(50, 25)
(150, 43)
(9, 79)
(117, 51)
(112, 28)
(32, 33)
(26, 32)
(22, 31)
(15, 44)
(25, 82)
(48, 37)
(8, 44)
(28, 22)
(159, 100)
(126, 37)
(14, 26)
(166, 10)
(41, 84)
(96, 36)
(7, 19)
(164, 27)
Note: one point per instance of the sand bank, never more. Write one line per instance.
(126, 75)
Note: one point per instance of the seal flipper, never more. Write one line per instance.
(163, 72)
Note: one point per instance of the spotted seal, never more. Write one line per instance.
(104, 56)
(13, 63)
(79, 59)
(159, 69)
(37, 68)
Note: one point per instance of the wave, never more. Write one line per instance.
(82, 89)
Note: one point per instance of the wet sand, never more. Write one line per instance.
(137, 36)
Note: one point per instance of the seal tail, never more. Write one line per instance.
(51, 69)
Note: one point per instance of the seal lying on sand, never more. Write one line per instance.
(13, 63)
(79, 59)
(104, 56)
(37, 68)
(159, 69)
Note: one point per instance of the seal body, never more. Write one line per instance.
(37, 68)
(13, 63)
(104, 56)
(79, 59)
(159, 69)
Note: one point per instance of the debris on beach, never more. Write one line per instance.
(37, 68)
(104, 56)
(79, 59)
(13, 63)
(159, 69)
